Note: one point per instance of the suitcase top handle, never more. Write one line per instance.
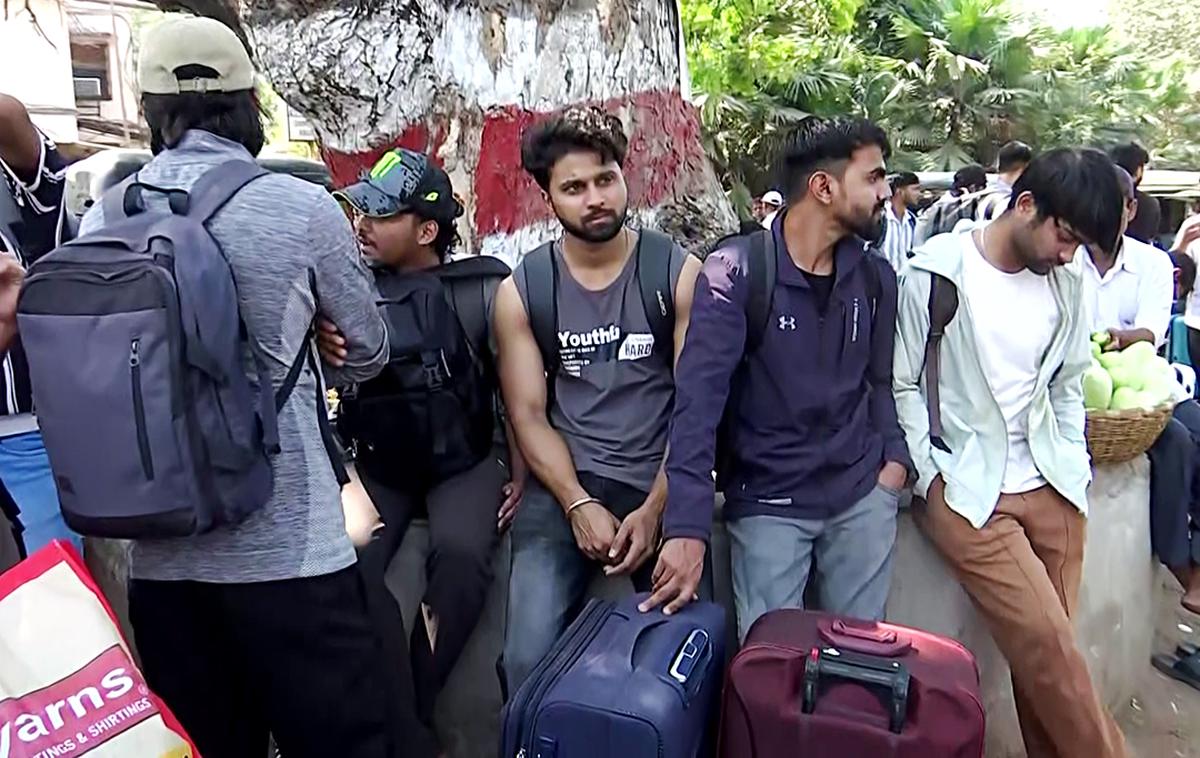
(887, 678)
(863, 637)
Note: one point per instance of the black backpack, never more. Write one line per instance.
(431, 413)
(540, 272)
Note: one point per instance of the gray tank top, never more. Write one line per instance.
(613, 396)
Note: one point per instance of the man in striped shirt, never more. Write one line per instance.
(34, 175)
(901, 220)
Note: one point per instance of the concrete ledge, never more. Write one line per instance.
(1114, 621)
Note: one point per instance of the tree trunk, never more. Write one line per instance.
(463, 79)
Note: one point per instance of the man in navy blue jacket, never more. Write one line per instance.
(815, 458)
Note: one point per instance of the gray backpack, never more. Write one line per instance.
(134, 342)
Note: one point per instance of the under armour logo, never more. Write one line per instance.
(787, 323)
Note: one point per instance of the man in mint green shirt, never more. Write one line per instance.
(1002, 463)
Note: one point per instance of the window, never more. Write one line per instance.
(89, 63)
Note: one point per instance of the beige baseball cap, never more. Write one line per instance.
(193, 41)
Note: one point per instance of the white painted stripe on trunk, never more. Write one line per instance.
(395, 67)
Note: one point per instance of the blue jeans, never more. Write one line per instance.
(550, 575)
(771, 558)
(25, 471)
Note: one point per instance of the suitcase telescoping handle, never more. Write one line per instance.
(889, 677)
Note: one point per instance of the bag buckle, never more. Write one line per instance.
(435, 368)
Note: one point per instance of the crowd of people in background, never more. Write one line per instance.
(846, 347)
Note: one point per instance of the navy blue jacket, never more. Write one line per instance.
(814, 419)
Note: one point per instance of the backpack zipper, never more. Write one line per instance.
(139, 407)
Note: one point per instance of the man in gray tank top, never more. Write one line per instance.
(589, 401)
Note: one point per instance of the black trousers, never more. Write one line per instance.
(1174, 486)
(462, 513)
(297, 659)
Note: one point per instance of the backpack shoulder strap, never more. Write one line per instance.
(112, 202)
(943, 303)
(874, 282)
(653, 253)
(473, 267)
(762, 269)
(540, 274)
(471, 289)
(218, 185)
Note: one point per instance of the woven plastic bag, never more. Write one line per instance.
(68, 685)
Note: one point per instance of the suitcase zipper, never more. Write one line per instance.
(524, 694)
(553, 665)
(139, 407)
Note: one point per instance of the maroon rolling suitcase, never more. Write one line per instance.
(810, 685)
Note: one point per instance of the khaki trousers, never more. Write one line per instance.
(1022, 571)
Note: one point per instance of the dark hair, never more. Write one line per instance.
(1078, 187)
(1130, 156)
(236, 116)
(447, 237)
(904, 179)
(1013, 155)
(1127, 186)
(578, 129)
(1187, 273)
(816, 144)
(969, 176)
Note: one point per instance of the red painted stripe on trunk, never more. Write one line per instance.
(346, 168)
(664, 155)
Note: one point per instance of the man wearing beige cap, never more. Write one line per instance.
(261, 627)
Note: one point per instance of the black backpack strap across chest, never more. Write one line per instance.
(654, 253)
(539, 271)
(943, 303)
(471, 285)
(874, 283)
(762, 271)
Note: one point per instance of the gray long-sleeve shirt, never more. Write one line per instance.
(283, 237)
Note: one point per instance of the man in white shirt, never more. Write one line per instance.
(1128, 293)
(900, 219)
(999, 448)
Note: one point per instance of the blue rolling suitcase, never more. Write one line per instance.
(622, 684)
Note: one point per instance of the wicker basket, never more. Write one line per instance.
(1119, 436)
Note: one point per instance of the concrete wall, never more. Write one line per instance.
(1114, 621)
